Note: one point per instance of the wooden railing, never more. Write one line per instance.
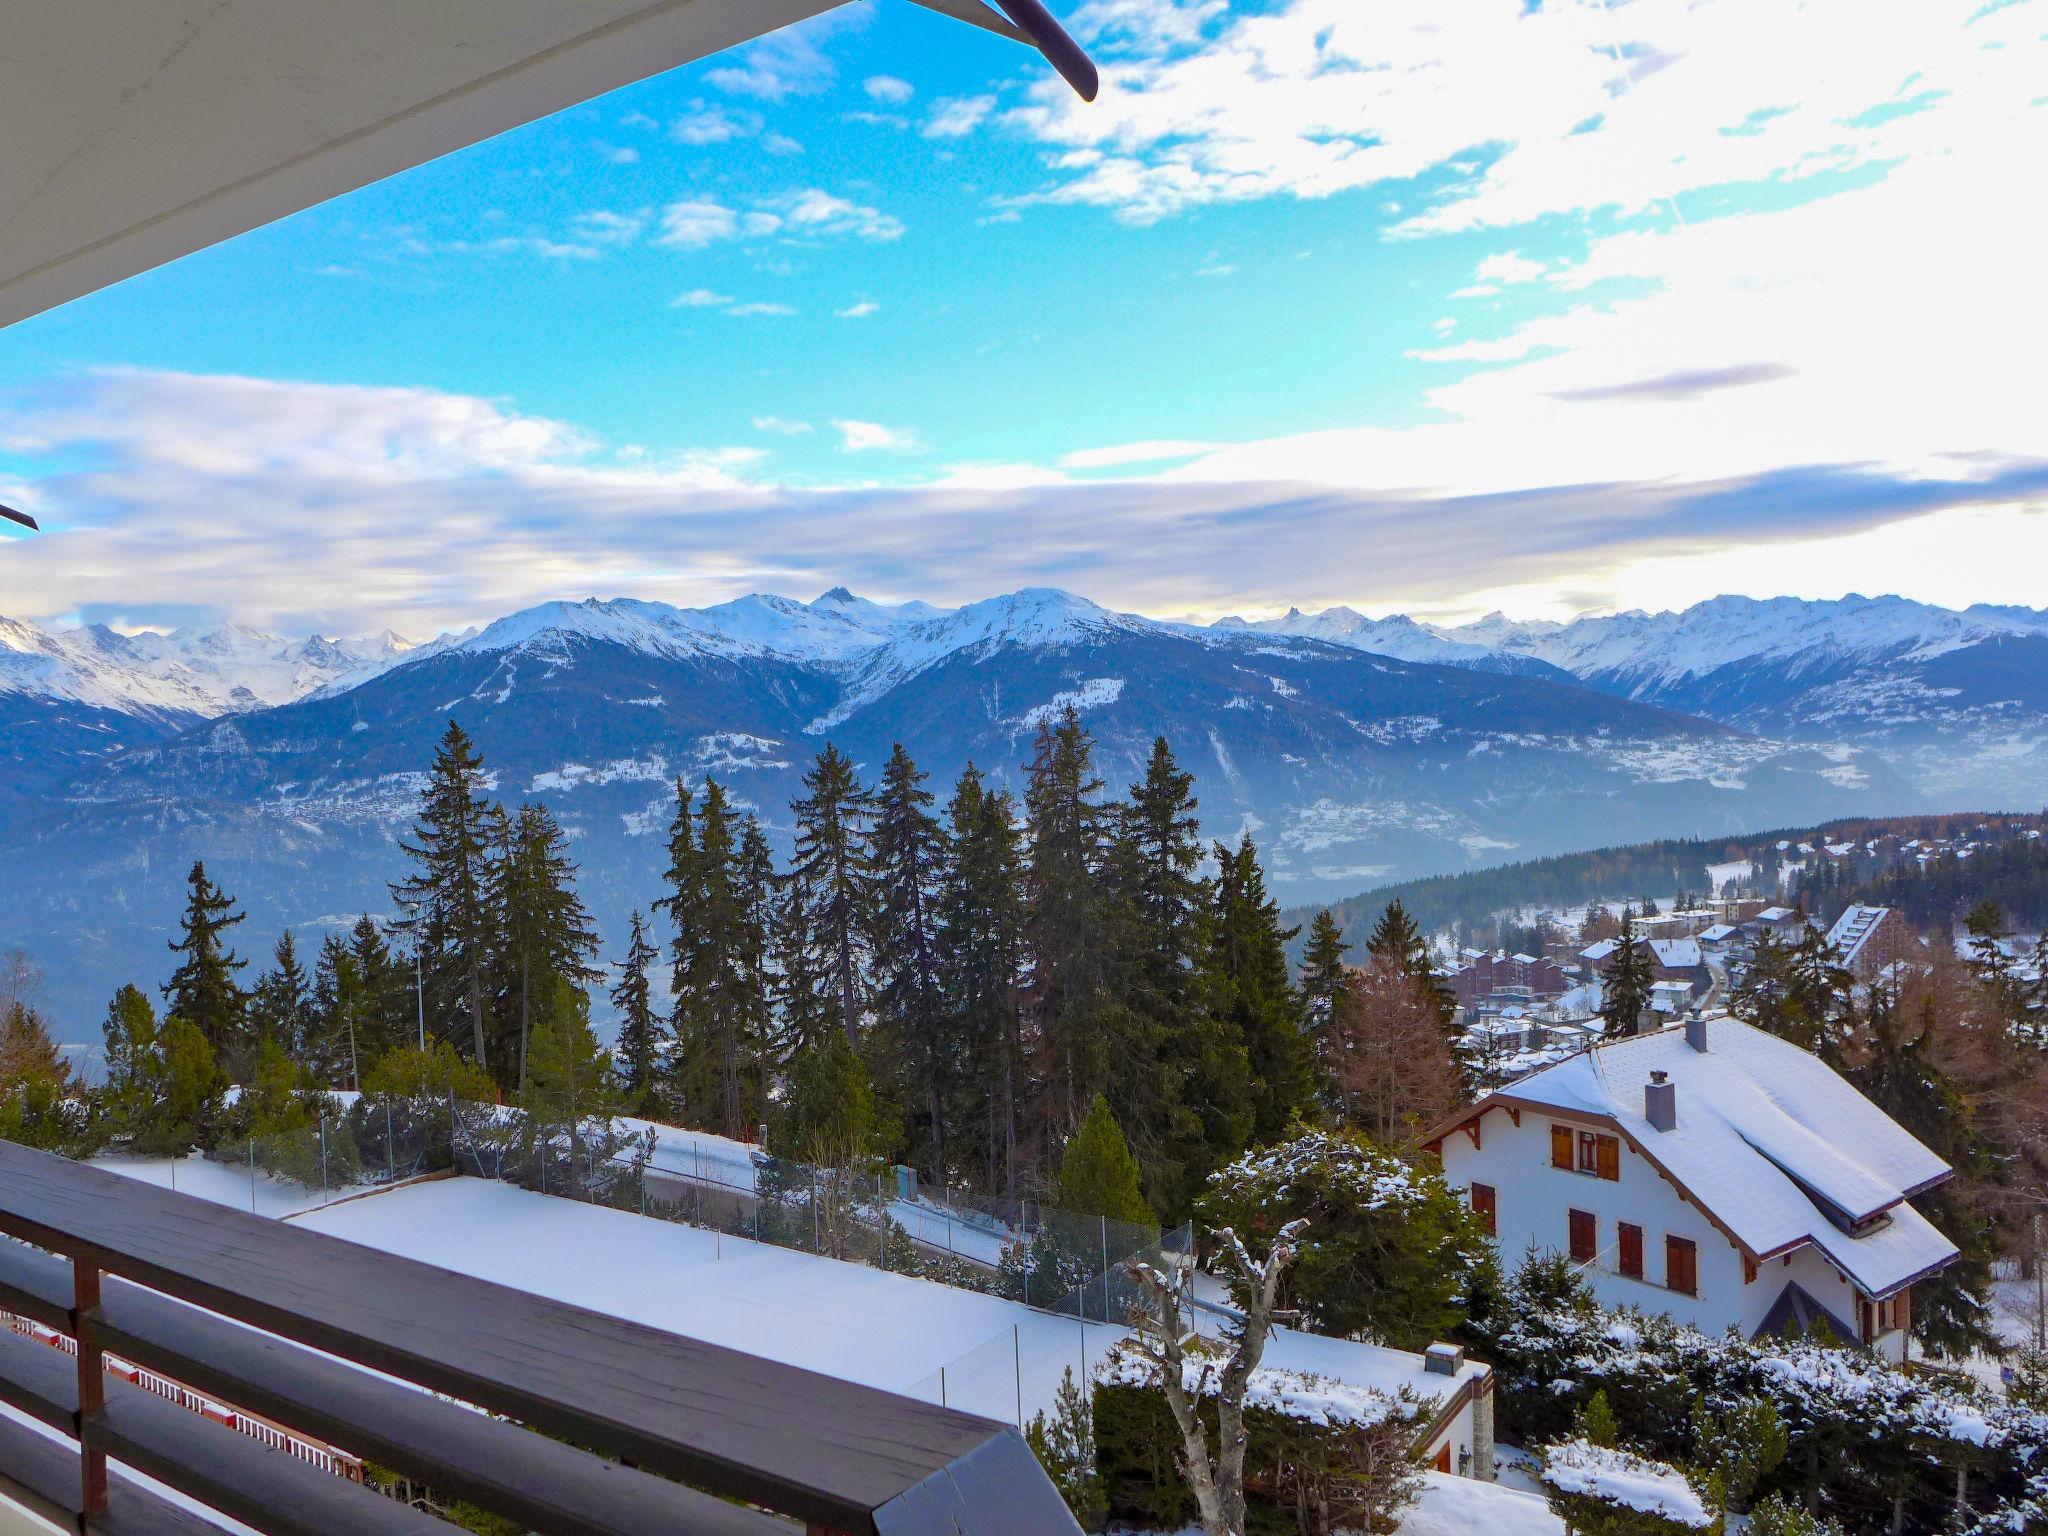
(591, 1426)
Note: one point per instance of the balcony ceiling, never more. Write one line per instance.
(133, 133)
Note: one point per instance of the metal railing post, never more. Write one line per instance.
(92, 1387)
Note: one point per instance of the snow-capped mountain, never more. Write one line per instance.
(1956, 701)
(1347, 766)
(1398, 635)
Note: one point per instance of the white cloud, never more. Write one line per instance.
(954, 117)
(813, 212)
(858, 311)
(865, 436)
(700, 125)
(760, 307)
(693, 224)
(781, 426)
(1510, 267)
(888, 90)
(700, 298)
(604, 226)
(616, 154)
(786, 63)
(780, 144)
(1135, 453)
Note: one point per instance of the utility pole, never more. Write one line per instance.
(419, 992)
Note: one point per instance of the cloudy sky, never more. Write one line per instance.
(1435, 308)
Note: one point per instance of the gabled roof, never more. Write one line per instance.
(1678, 954)
(1719, 933)
(1768, 1141)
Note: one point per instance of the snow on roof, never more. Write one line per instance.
(1775, 914)
(1600, 951)
(1853, 930)
(1677, 954)
(1720, 933)
(1457, 1506)
(1622, 1477)
(1765, 1133)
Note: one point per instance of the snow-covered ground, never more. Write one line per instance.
(1464, 1506)
(245, 1188)
(845, 1320)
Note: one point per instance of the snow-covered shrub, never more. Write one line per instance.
(1322, 1454)
(1602, 1490)
(1390, 1251)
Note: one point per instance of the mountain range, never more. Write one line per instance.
(1355, 751)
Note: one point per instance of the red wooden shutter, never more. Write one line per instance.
(1610, 1157)
(1485, 1201)
(1630, 1237)
(1585, 1236)
(1682, 1265)
(1560, 1146)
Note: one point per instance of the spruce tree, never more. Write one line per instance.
(1820, 989)
(1324, 976)
(446, 898)
(27, 1052)
(833, 868)
(1626, 978)
(912, 1021)
(1181, 1083)
(281, 1004)
(1065, 930)
(386, 1022)
(1098, 1175)
(545, 935)
(1250, 996)
(717, 1064)
(1762, 993)
(202, 990)
(633, 1002)
(981, 928)
(331, 1050)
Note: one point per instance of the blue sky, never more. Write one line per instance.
(1392, 305)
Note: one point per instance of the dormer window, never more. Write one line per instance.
(1586, 1152)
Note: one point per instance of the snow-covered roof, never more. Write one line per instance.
(1853, 929)
(1720, 933)
(1776, 915)
(1593, 954)
(1766, 1134)
(1676, 954)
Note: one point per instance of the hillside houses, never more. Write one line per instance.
(1712, 1172)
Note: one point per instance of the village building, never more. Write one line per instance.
(1712, 1172)
(1868, 940)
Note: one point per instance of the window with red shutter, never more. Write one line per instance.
(1485, 1201)
(1584, 1236)
(1629, 1238)
(1682, 1265)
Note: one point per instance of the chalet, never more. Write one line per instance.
(1712, 1172)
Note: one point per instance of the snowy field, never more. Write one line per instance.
(245, 1188)
(1464, 1506)
(844, 1320)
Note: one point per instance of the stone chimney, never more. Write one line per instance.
(1443, 1359)
(1660, 1102)
(1696, 1031)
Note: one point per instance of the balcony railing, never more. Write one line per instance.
(590, 1425)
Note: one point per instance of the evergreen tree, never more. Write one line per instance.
(911, 1017)
(1181, 1081)
(1397, 938)
(1098, 1176)
(202, 990)
(331, 1050)
(545, 933)
(1064, 920)
(717, 1063)
(1249, 993)
(39, 1103)
(830, 1117)
(162, 1078)
(1762, 993)
(633, 1001)
(26, 1049)
(386, 1021)
(754, 891)
(446, 899)
(281, 1005)
(1625, 982)
(1818, 997)
(1324, 976)
(570, 1091)
(981, 930)
(833, 869)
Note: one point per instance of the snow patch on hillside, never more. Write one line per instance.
(1093, 694)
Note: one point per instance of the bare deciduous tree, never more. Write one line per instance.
(1394, 1069)
(1160, 1336)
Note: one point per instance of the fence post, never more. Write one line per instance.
(323, 1159)
(252, 1175)
(92, 1387)
(942, 1387)
(1017, 1361)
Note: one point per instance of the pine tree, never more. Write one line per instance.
(1249, 993)
(1819, 997)
(281, 1005)
(833, 869)
(1064, 921)
(27, 1053)
(1626, 981)
(446, 898)
(1397, 938)
(386, 1022)
(545, 933)
(1324, 976)
(331, 1050)
(1762, 993)
(1098, 1175)
(981, 933)
(633, 1002)
(203, 991)
(911, 1017)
